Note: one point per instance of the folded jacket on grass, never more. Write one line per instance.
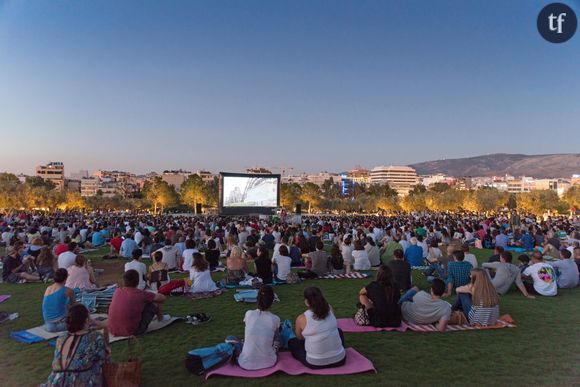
(39, 334)
(348, 325)
(355, 363)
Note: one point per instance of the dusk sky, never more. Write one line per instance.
(315, 85)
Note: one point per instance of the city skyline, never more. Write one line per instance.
(147, 86)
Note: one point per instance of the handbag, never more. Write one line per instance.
(127, 373)
(361, 317)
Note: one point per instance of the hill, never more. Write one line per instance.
(539, 166)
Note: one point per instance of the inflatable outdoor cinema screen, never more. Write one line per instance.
(242, 194)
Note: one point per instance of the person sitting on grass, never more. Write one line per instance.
(171, 255)
(401, 270)
(236, 265)
(212, 254)
(414, 254)
(469, 257)
(55, 303)
(540, 277)
(46, 263)
(419, 307)
(478, 300)
(200, 275)
(506, 274)
(15, 268)
(381, 300)
(335, 260)
(127, 246)
(577, 257)
(158, 273)
(458, 272)
(317, 261)
(283, 264)
(346, 249)
(79, 354)
(360, 256)
(496, 254)
(524, 262)
(140, 267)
(319, 343)
(263, 265)
(373, 252)
(261, 334)
(566, 270)
(132, 309)
(81, 275)
(114, 246)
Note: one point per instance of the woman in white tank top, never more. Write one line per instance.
(318, 342)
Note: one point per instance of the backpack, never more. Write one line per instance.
(200, 360)
(292, 278)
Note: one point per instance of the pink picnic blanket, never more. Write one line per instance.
(355, 363)
(4, 297)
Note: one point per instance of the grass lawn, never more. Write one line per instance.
(543, 350)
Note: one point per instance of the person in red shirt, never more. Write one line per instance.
(62, 247)
(132, 309)
(115, 245)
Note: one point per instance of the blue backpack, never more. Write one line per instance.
(198, 361)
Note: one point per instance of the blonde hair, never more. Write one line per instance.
(482, 290)
(236, 252)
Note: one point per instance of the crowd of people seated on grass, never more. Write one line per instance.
(48, 247)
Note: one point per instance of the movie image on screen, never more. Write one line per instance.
(239, 191)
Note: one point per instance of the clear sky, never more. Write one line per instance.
(316, 85)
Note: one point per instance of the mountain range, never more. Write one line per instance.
(499, 164)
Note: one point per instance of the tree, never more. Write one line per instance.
(39, 182)
(311, 194)
(159, 194)
(415, 202)
(9, 190)
(449, 200)
(572, 197)
(538, 202)
(211, 191)
(290, 194)
(418, 189)
(73, 201)
(484, 199)
(381, 191)
(192, 191)
(330, 189)
(440, 187)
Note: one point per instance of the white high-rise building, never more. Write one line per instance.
(400, 178)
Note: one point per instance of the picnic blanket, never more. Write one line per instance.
(4, 297)
(355, 363)
(202, 295)
(39, 334)
(354, 275)
(348, 325)
(250, 295)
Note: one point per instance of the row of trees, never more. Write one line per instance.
(158, 196)
(439, 197)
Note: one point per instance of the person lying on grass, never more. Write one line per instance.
(381, 300)
(261, 335)
(419, 307)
